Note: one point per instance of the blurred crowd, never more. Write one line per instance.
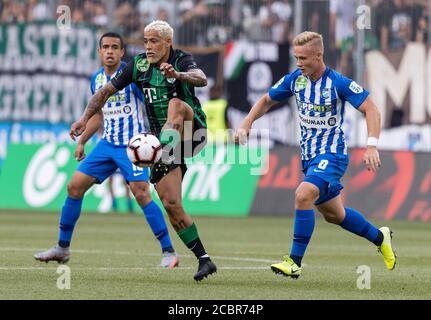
(392, 24)
(211, 22)
(198, 22)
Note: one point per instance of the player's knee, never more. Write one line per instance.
(142, 198)
(176, 105)
(75, 191)
(142, 194)
(332, 218)
(303, 199)
(172, 205)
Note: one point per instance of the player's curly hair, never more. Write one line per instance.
(309, 37)
(162, 28)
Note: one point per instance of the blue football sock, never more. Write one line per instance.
(302, 231)
(155, 219)
(357, 224)
(69, 215)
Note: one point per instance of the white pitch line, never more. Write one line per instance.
(135, 253)
(121, 268)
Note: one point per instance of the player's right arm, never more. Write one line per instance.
(98, 100)
(258, 110)
(280, 91)
(93, 126)
(95, 104)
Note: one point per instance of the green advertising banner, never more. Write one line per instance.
(221, 180)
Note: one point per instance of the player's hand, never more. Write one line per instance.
(372, 159)
(168, 70)
(79, 152)
(77, 129)
(242, 133)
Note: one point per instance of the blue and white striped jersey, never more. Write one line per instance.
(321, 106)
(124, 112)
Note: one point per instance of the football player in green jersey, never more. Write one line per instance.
(167, 78)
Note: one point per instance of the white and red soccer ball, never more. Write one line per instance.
(144, 150)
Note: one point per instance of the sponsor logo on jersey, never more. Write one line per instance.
(142, 65)
(305, 107)
(312, 121)
(317, 122)
(300, 83)
(356, 88)
(150, 94)
(112, 112)
(127, 109)
(118, 97)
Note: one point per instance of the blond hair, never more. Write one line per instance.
(163, 29)
(310, 38)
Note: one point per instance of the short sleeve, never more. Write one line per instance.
(124, 77)
(92, 84)
(282, 89)
(186, 63)
(349, 90)
(137, 93)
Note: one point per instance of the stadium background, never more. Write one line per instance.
(48, 50)
(245, 219)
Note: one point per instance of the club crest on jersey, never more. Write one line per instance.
(170, 80)
(326, 93)
(300, 83)
(142, 65)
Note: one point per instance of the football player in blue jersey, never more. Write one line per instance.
(321, 95)
(122, 117)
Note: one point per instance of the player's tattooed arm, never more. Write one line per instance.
(97, 101)
(195, 77)
(94, 105)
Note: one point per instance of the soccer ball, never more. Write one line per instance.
(144, 150)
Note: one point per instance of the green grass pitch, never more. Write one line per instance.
(116, 257)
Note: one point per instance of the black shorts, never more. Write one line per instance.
(189, 149)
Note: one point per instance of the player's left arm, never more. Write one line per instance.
(93, 125)
(373, 118)
(194, 77)
(188, 72)
(359, 98)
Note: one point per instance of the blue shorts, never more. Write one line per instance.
(325, 172)
(106, 158)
